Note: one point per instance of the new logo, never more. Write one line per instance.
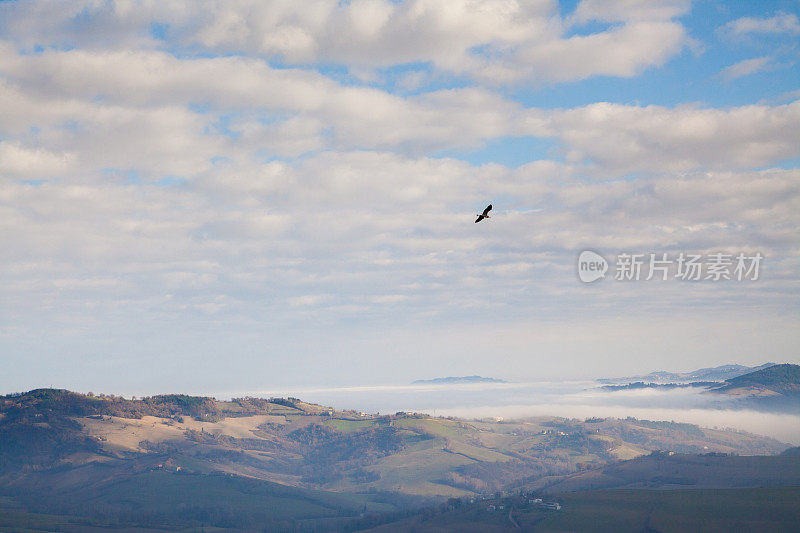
(591, 266)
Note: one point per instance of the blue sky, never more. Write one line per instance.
(245, 195)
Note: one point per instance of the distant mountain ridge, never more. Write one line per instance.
(457, 380)
(779, 379)
(717, 373)
(660, 386)
(773, 387)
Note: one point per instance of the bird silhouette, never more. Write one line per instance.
(485, 214)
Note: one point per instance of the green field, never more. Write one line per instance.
(349, 426)
(662, 471)
(620, 511)
(162, 499)
(722, 510)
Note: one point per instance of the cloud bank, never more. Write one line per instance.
(257, 169)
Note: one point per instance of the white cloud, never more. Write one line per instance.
(154, 90)
(27, 163)
(780, 23)
(745, 67)
(654, 138)
(623, 51)
(160, 141)
(615, 10)
(375, 231)
(495, 41)
(143, 120)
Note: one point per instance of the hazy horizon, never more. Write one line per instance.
(579, 399)
(363, 385)
(567, 399)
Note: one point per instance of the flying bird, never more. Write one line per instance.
(485, 214)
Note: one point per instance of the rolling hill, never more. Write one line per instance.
(776, 388)
(103, 458)
(756, 510)
(769, 388)
(779, 379)
(659, 492)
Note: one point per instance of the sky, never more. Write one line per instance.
(248, 195)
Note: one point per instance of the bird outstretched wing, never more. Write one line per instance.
(480, 217)
(486, 211)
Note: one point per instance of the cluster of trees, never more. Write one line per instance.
(37, 427)
(36, 431)
(166, 405)
(328, 455)
(500, 475)
(688, 429)
(462, 481)
(323, 444)
(71, 404)
(41, 442)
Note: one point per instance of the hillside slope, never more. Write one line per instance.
(678, 471)
(755, 510)
(776, 388)
(107, 455)
(780, 379)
